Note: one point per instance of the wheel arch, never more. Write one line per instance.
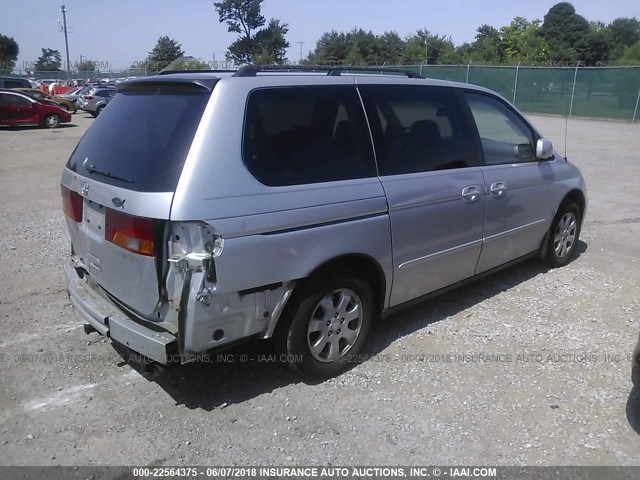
(365, 266)
(361, 264)
(577, 196)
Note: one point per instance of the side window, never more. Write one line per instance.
(417, 128)
(505, 137)
(13, 84)
(302, 135)
(17, 101)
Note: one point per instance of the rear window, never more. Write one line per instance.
(141, 140)
(302, 135)
(16, 84)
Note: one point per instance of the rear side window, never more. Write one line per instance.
(141, 141)
(417, 128)
(303, 135)
(15, 84)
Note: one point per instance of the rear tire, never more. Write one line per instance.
(51, 121)
(563, 235)
(99, 110)
(327, 325)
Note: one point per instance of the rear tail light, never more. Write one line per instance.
(129, 232)
(88, 97)
(71, 204)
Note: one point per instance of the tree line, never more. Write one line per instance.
(563, 37)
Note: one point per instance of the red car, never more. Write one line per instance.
(19, 109)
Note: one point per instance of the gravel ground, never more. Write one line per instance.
(544, 380)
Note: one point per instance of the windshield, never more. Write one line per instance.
(141, 140)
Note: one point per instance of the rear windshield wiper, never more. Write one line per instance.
(93, 169)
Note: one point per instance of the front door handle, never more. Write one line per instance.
(498, 189)
(470, 193)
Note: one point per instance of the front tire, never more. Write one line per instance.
(52, 121)
(328, 325)
(563, 235)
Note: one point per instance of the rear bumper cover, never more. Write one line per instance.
(108, 320)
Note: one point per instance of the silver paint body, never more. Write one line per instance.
(419, 229)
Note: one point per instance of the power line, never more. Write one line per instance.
(301, 44)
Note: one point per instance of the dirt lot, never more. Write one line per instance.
(556, 392)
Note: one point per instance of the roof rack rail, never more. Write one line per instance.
(332, 71)
(336, 71)
(168, 72)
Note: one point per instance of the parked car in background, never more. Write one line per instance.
(82, 90)
(72, 95)
(206, 209)
(68, 105)
(14, 82)
(96, 99)
(20, 109)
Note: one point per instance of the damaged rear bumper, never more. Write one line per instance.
(109, 321)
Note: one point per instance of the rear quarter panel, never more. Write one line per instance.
(273, 234)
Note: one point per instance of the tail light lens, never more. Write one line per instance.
(88, 97)
(71, 204)
(129, 232)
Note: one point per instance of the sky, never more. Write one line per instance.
(119, 32)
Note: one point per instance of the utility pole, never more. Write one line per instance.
(301, 44)
(426, 50)
(63, 9)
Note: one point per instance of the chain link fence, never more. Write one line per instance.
(606, 92)
(596, 92)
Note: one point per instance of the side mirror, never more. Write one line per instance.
(544, 149)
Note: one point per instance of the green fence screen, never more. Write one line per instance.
(608, 92)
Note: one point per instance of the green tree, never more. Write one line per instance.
(630, 55)
(49, 61)
(255, 43)
(391, 47)
(166, 51)
(595, 47)
(434, 49)
(8, 53)
(331, 48)
(85, 66)
(191, 63)
(365, 48)
(565, 32)
(521, 43)
(623, 32)
(414, 51)
(271, 43)
(186, 63)
(487, 47)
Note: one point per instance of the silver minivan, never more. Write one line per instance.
(206, 209)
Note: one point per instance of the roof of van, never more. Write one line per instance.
(205, 80)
